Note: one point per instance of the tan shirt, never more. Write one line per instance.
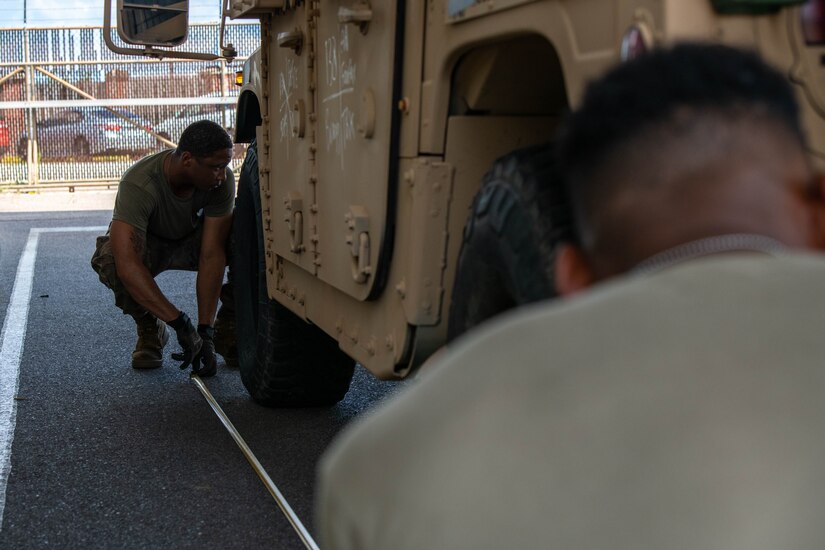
(146, 202)
(684, 409)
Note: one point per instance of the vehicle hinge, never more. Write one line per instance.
(359, 14)
(295, 221)
(358, 240)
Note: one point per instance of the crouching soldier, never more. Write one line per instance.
(173, 210)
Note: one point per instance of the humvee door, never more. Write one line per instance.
(333, 70)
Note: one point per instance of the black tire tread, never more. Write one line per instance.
(246, 259)
(283, 361)
(507, 256)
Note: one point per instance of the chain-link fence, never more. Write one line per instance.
(72, 111)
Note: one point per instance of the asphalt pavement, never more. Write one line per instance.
(104, 456)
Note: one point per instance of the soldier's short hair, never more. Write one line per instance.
(664, 94)
(203, 138)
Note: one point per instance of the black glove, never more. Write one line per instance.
(188, 338)
(205, 364)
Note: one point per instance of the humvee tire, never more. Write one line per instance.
(284, 361)
(507, 256)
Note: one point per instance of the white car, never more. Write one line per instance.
(173, 127)
(87, 131)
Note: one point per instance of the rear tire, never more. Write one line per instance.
(507, 256)
(283, 361)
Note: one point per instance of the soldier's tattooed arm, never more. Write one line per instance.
(129, 248)
(138, 239)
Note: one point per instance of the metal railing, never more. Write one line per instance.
(74, 113)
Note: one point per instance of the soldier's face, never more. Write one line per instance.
(210, 172)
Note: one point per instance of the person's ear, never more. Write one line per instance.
(572, 271)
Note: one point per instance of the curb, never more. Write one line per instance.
(57, 201)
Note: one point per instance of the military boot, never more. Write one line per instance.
(225, 340)
(152, 336)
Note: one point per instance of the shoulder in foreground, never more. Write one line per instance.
(521, 350)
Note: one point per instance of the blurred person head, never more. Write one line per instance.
(677, 146)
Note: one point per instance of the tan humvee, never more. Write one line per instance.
(375, 124)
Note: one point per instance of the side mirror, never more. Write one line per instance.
(153, 22)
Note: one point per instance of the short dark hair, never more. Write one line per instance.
(203, 138)
(665, 89)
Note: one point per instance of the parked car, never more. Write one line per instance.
(87, 131)
(173, 127)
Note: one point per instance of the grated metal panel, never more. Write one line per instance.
(83, 113)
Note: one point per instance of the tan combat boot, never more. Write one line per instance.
(152, 336)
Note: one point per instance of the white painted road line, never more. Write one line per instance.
(11, 346)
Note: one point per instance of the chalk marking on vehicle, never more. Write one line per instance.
(306, 538)
(11, 346)
(339, 94)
